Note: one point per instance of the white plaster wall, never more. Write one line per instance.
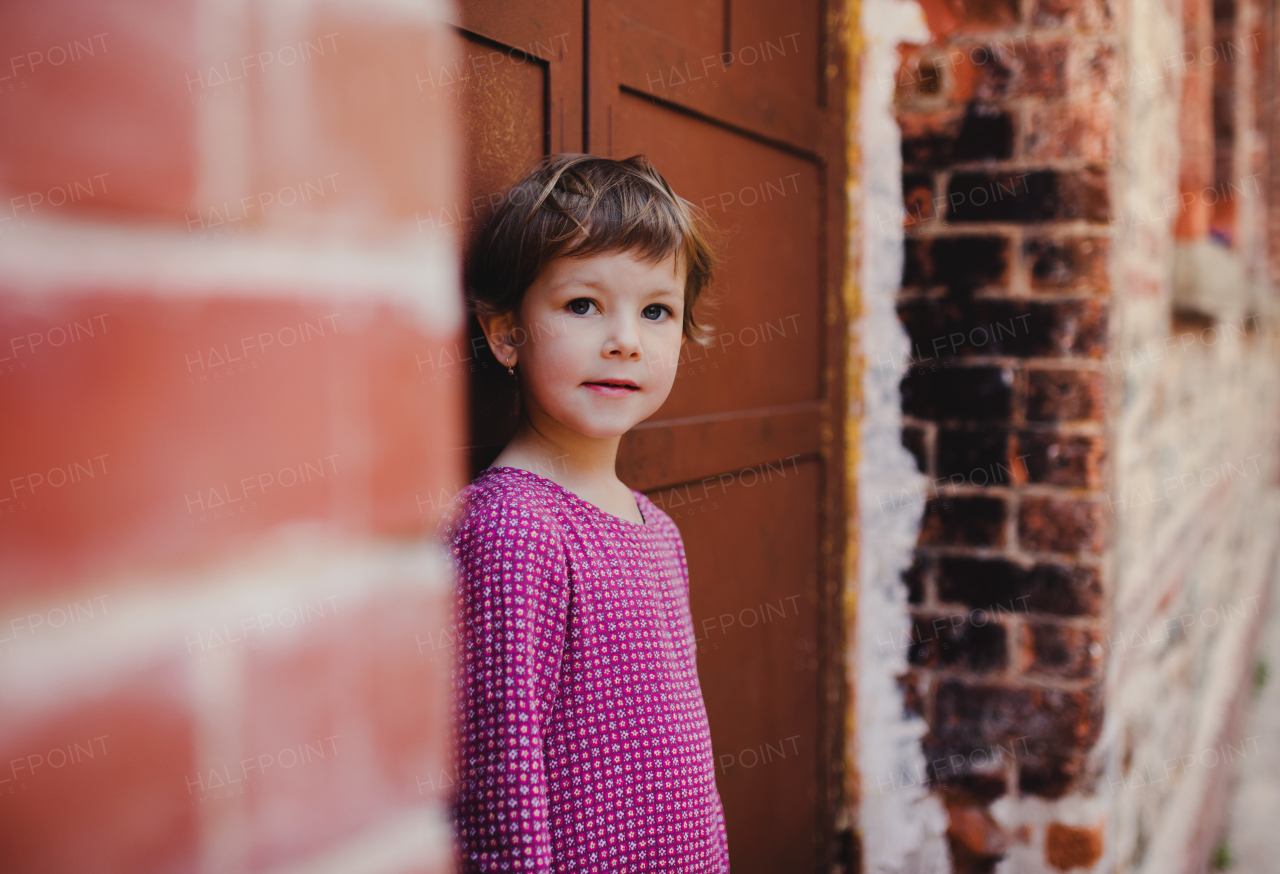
(902, 826)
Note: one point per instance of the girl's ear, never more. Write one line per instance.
(497, 331)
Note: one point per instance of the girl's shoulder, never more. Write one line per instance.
(502, 496)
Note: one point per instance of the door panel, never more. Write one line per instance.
(552, 33)
(667, 452)
(752, 543)
(764, 87)
(504, 114)
(727, 98)
(765, 204)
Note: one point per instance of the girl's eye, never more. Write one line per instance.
(655, 311)
(580, 306)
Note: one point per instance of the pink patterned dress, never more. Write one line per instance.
(583, 739)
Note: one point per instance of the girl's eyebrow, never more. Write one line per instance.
(602, 285)
(598, 284)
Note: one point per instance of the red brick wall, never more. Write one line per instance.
(221, 610)
(1007, 123)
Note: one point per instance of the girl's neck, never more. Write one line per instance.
(564, 456)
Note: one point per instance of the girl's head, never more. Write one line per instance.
(585, 280)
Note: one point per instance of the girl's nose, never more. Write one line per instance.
(624, 338)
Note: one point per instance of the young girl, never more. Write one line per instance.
(583, 739)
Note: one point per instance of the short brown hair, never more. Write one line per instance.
(582, 205)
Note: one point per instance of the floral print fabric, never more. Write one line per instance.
(583, 739)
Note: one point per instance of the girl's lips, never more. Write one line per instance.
(611, 389)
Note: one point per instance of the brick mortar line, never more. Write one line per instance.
(1092, 560)
(943, 609)
(1015, 680)
(412, 840)
(1081, 494)
(156, 617)
(78, 257)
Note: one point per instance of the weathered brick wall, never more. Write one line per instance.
(219, 603)
(1097, 455)
(1008, 133)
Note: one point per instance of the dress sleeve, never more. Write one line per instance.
(513, 601)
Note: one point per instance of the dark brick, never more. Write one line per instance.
(979, 789)
(928, 138)
(1033, 196)
(950, 759)
(1062, 525)
(986, 134)
(1049, 775)
(1063, 395)
(971, 393)
(1029, 720)
(977, 455)
(953, 642)
(915, 441)
(1068, 262)
(939, 139)
(955, 521)
(977, 842)
(1059, 460)
(965, 327)
(985, 14)
(912, 684)
(999, 585)
(962, 264)
(917, 198)
(1060, 651)
(917, 262)
(915, 576)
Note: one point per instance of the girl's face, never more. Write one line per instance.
(598, 339)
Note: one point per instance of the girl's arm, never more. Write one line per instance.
(513, 600)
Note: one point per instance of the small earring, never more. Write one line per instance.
(511, 370)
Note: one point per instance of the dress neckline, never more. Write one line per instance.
(578, 499)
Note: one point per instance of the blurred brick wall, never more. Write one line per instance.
(1007, 134)
(1090, 394)
(221, 610)
(1194, 496)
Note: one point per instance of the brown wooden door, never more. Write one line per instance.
(737, 103)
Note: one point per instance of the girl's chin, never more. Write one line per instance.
(603, 428)
(603, 432)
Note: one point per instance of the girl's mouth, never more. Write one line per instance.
(613, 387)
